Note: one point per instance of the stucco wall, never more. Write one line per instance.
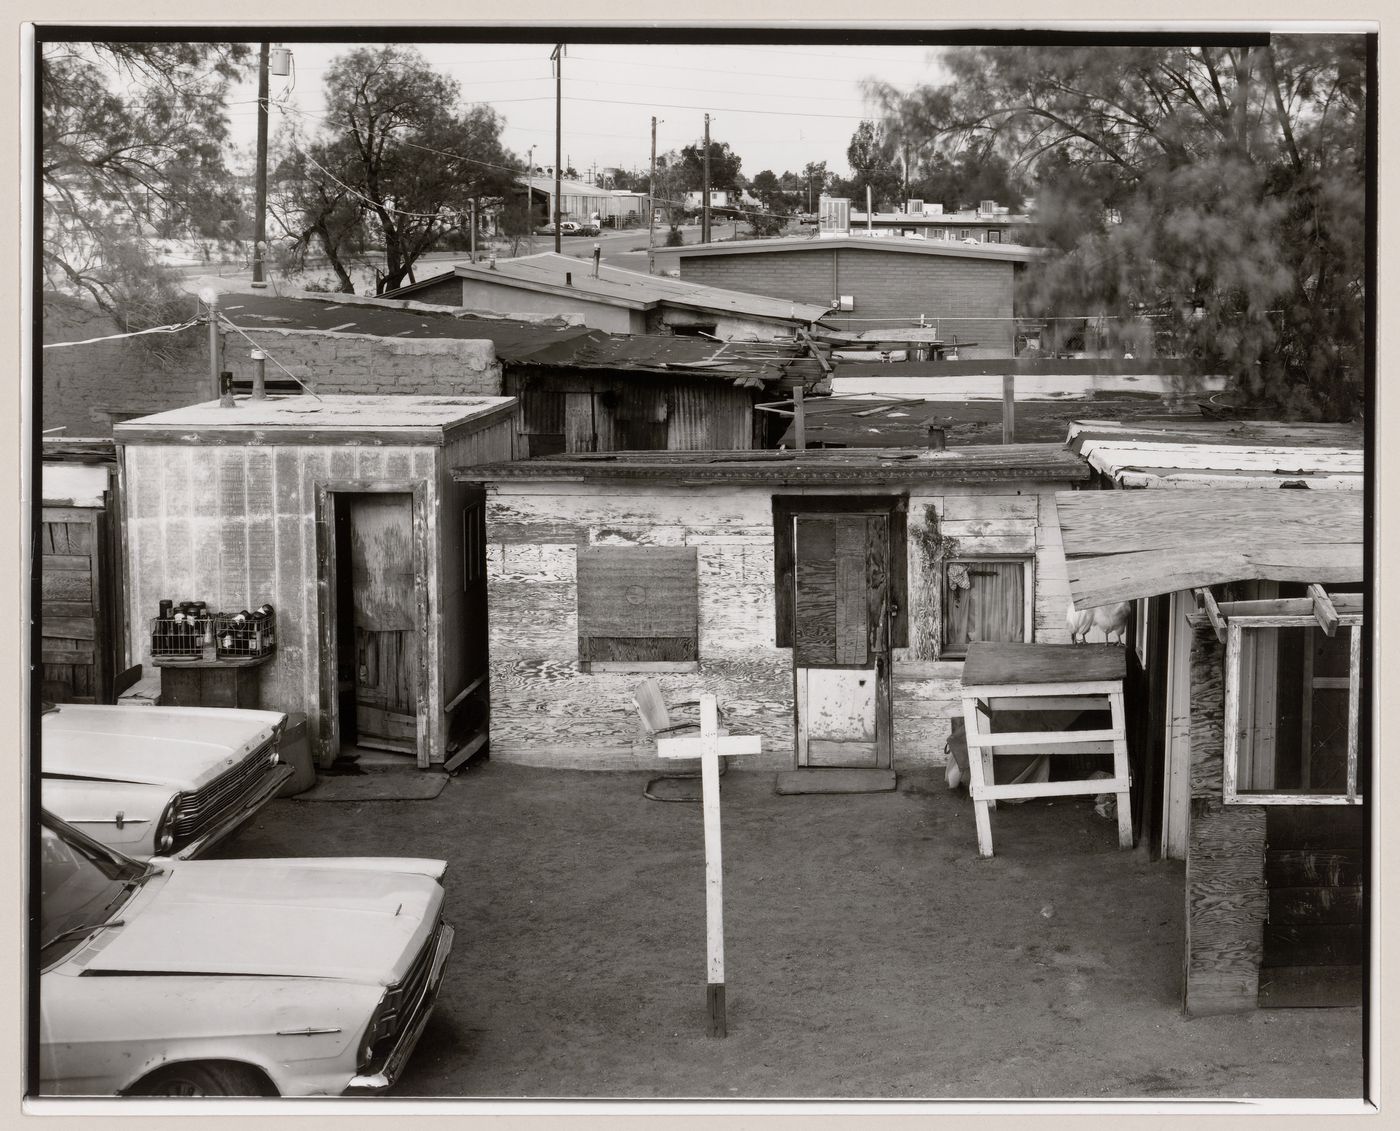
(969, 298)
(545, 711)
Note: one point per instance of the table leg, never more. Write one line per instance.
(977, 771)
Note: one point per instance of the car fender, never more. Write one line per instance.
(122, 815)
(104, 1035)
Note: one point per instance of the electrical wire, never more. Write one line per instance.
(173, 329)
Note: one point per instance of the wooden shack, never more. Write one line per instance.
(340, 512)
(1267, 734)
(823, 596)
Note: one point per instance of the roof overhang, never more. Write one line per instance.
(1124, 545)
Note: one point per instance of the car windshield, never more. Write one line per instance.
(81, 884)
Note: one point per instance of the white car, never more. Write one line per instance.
(311, 977)
(172, 781)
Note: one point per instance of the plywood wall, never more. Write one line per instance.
(235, 527)
(546, 711)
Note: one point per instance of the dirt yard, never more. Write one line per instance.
(870, 953)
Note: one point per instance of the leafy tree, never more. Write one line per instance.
(871, 155)
(815, 181)
(131, 148)
(1220, 189)
(410, 161)
(724, 167)
(974, 175)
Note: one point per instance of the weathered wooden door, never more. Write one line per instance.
(73, 643)
(382, 559)
(841, 639)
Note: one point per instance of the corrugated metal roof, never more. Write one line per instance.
(1124, 545)
(1224, 454)
(547, 271)
(984, 463)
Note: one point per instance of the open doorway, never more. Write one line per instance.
(378, 637)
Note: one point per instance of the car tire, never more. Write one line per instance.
(204, 1078)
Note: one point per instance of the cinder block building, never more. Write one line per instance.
(968, 291)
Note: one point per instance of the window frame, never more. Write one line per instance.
(1027, 563)
(1235, 628)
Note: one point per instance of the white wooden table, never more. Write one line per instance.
(1044, 677)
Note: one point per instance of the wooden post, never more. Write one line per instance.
(799, 419)
(708, 747)
(1008, 408)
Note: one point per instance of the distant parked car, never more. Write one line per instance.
(168, 781)
(310, 977)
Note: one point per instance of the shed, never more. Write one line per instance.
(613, 299)
(968, 292)
(1251, 694)
(824, 596)
(340, 512)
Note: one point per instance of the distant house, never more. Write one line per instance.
(967, 291)
(695, 199)
(613, 299)
(989, 222)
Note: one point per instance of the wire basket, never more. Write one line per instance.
(181, 637)
(245, 635)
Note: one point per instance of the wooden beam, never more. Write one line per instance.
(1323, 609)
(466, 752)
(1008, 409)
(1343, 603)
(1217, 622)
(1353, 712)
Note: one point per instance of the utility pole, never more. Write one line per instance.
(651, 196)
(260, 223)
(530, 204)
(558, 57)
(705, 203)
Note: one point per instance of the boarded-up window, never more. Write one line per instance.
(638, 605)
(984, 599)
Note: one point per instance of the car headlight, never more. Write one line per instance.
(165, 827)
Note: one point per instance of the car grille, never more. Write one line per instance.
(404, 1000)
(205, 808)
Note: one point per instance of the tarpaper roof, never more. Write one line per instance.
(328, 418)
(983, 463)
(1123, 545)
(1009, 252)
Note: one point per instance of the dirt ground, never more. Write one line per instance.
(870, 953)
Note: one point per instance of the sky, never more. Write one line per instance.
(778, 107)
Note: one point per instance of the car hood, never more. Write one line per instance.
(183, 747)
(262, 917)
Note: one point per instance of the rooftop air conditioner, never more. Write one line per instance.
(915, 208)
(844, 302)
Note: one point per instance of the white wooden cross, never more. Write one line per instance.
(708, 747)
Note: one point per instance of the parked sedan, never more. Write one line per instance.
(310, 977)
(172, 781)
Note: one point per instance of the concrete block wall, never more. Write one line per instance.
(87, 387)
(363, 363)
(970, 298)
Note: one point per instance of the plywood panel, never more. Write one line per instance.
(989, 508)
(382, 561)
(637, 592)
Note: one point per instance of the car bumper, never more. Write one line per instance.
(378, 1077)
(254, 800)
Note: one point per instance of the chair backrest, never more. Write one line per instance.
(650, 706)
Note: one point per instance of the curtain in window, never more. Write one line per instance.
(983, 601)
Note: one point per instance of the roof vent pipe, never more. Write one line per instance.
(226, 389)
(259, 375)
(937, 438)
